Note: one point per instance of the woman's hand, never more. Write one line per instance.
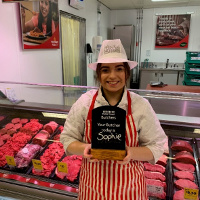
(87, 153)
(128, 157)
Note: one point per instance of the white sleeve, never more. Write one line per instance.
(74, 125)
(151, 133)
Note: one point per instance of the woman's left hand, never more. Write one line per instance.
(128, 157)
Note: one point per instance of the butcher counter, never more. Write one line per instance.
(177, 112)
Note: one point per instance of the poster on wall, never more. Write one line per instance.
(172, 31)
(40, 24)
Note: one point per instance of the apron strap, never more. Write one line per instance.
(89, 117)
(129, 103)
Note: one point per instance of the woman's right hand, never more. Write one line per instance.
(87, 153)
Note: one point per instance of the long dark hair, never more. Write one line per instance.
(49, 20)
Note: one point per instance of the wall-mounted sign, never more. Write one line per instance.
(172, 31)
(40, 24)
(108, 133)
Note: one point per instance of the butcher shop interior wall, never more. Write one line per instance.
(45, 66)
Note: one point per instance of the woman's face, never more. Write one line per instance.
(112, 76)
(44, 8)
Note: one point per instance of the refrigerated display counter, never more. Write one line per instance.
(177, 112)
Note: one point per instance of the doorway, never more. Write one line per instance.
(73, 45)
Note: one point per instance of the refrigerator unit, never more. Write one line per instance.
(126, 33)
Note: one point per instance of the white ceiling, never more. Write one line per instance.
(136, 4)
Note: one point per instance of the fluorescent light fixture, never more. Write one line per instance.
(54, 115)
(162, 0)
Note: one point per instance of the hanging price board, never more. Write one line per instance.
(62, 167)
(10, 160)
(191, 194)
(37, 164)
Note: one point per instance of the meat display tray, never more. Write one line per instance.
(25, 169)
(172, 170)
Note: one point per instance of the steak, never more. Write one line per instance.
(185, 157)
(184, 175)
(15, 120)
(9, 126)
(181, 145)
(154, 168)
(154, 175)
(162, 160)
(184, 183)
(50, 127)
(23, 121)
(41, 138)
(184, 166)
(156, 188)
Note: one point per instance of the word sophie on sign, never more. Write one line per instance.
(108, 133)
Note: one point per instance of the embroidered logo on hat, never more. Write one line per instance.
(111, 49)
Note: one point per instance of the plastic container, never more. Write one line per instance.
(193, 57)
(191, 79)
(192, 68)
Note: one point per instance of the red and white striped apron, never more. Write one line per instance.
(107, 180)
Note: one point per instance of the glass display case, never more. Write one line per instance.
(25, 103)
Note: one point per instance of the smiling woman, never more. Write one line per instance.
(41, 22)
(136, 116)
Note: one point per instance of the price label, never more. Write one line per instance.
(155, 189)
(191, 194)
(37, 164)
(62, 167)
(10, 160)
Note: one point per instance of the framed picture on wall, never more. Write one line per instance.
(172, 31)
(40, 24)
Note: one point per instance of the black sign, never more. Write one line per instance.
(108, 128)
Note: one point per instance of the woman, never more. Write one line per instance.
(40, 22)
(109, 179)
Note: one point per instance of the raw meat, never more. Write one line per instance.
(73, 164)
(25, 155)
(32, 127)
(23, 121)
(15, 120)
(3, 131)
(184, 175)
(184, 183)
(50, 127)
(41, 138)
(162, 160)
(185, 157)
(2, 118)
(181, 145)
(179, 195)
(183, 166)
(50, 157)
(154, 175)
(11, 131)
(17, 126)
(9, 126)
(60, 128)
(154, 168)
(159, 192)
(13, 145)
